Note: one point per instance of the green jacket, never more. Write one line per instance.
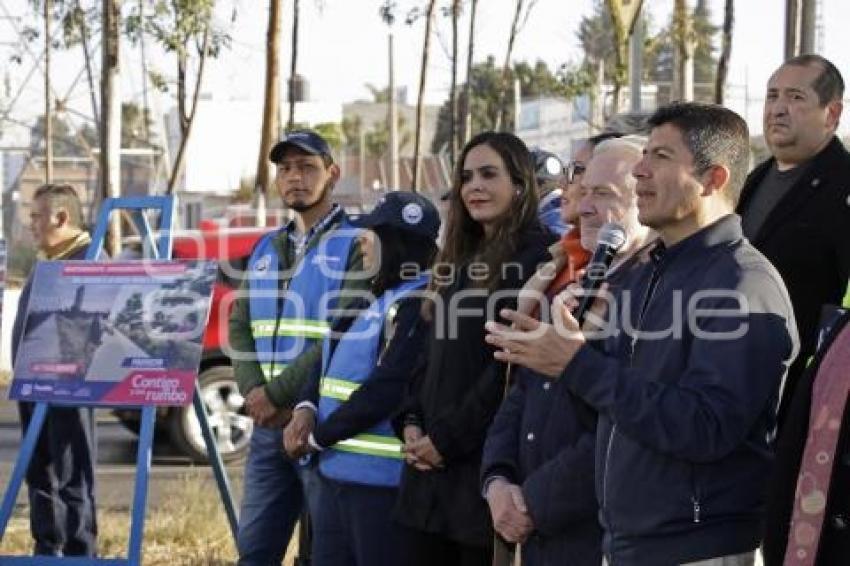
(283, 388)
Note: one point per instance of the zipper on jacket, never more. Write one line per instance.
(695, 495)
(650, 291)
(283, 287)
(605, 474)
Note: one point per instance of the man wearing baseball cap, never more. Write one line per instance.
(295, 277)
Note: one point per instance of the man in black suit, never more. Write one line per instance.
(796, 205)
(796, 210)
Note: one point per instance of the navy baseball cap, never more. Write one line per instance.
(305, 140)
(404, 210)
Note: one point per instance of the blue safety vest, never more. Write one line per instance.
(372, 457)
(287, 317)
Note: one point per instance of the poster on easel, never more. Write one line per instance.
(114, 333)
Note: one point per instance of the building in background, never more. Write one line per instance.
(555, 124)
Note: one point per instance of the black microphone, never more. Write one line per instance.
(611, 238)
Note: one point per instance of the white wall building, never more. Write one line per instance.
(555, 124)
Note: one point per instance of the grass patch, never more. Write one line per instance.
(188, 528)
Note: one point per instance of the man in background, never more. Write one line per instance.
(796, 205)
(60, 476)
(796, 210)
(276, 330)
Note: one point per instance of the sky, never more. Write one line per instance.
(343, 47)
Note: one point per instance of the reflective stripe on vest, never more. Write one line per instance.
(371, 445)
(290, 327)
(338, 389)
(846, 302)
(374, 456)
(287, 319)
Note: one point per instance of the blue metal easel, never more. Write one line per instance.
(157, 249)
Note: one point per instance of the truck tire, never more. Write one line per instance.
(231, 427)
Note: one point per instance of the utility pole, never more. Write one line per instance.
(792, 28)
(393, 119)
(48, 103)
(517, 104)
(808, 17)
(292, 71)
(110, 126)
(800, 27)
(820, 31)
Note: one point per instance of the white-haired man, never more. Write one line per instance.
(538, 462)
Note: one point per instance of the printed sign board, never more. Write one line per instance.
(114, 333)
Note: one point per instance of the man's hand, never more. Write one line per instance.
(509, 511)
(594, 320)
(260, 408)
(544, 348)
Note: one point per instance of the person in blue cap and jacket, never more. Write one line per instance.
(366, 364)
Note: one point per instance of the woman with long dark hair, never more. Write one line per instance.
(366, 364)
(493, 242)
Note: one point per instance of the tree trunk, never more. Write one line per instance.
(48, 106)
(291, 122)
(453, 88)
(466, 121)
(392, 127)
(504, 87)
(636, 64)
(182, 115)
(179, 160)
(270, 127)
(684, 49)
(110, 127)
(84, 35)
(620, 53)
(420, 99)
(143, 52)
(725, 52)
